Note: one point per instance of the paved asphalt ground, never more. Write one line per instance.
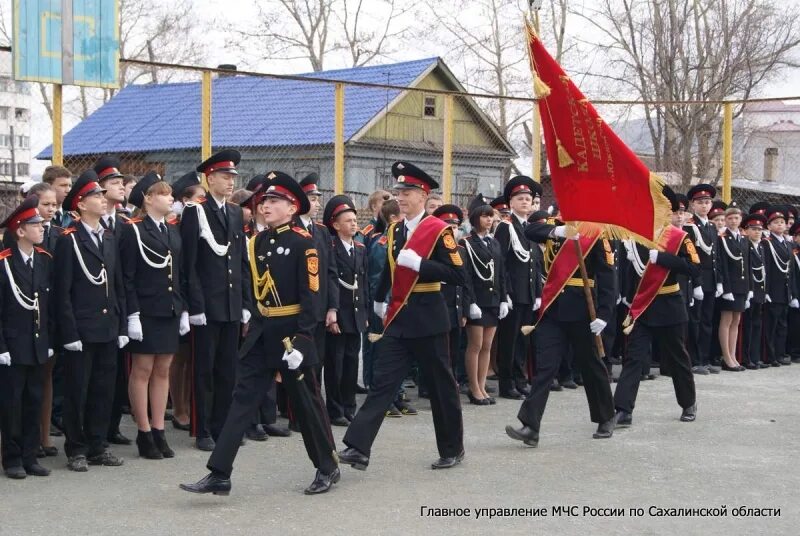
(743, 450)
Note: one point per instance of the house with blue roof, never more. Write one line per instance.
(289, 125)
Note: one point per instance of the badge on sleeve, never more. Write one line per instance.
(312, 266)
(691, 251)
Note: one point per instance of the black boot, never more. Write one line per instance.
(147, 447)
(161, 444)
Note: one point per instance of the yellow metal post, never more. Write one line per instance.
(338, 140)
(727, 151)
(447, 154)
(536, 126)
(205, 116)
(58, 140)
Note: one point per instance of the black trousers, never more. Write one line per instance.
(341, 373)
(701, 319)
(21, 393)
(393, 356)
(320, 336)
(552, 339)
(512, 346)
(751, 334)
(120, 393)
(793, 338)
(671, 349)
(775, 330)
(254, 378)
(90, 378)
(214, 371)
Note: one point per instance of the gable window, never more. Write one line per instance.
(770, 163)
(429, 106)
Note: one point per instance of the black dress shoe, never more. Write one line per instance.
(523, 389)
(354, 459)
(211, 483)
(107, 459)
(689, 414)
(340, 421)
(477, 401)
(447, 462)
(492, 400)
(785, 361)
(205, 444)
(274, 430)
(256, 433)
(605, 429)
(774, 364)
(761, 365)
(511, 394)
(624, 419)
(17, 473)
(555, 386)
(751, 366)
(117, 438)
(178, 426)
(361, 390)
(569, 384)
(160, 439)
(147, 446)
(323, 482)
(726, 368)
(48, 451)
(526, 434)
(37, 470)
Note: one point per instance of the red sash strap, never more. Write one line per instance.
(422, 242)
(654, 275)
(563, 268)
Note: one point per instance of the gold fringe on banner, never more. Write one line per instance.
(374, 337)
(564, 159)
(540, 89)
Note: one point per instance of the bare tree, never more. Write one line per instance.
(314, 29)
(699, 50)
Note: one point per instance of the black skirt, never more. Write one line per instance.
(489, 318)
(160, 336)
(737, 305)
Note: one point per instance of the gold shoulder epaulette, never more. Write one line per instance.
(302, 232)
(69, 230)
(43, 251)
(5, 253)
(134, 220)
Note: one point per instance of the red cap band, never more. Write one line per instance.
(219, 165)
(413, 181)
(448, 216)
(106, 172)
(521, 188)
(22, 217)
(280, 191)
(309, 188)
(338, 210)
(82, 192)
(700, 194)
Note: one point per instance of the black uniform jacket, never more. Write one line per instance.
(706, 234)
(425, 313)
(152, 291)
(485, 291)
(287, 254)
(733, 263)
(217, 285)
(353, 303)
(26, 334)
(778, 258)
(522, 282)
(85, 311)
(570, 306)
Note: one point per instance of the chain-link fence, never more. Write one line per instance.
(350, 125)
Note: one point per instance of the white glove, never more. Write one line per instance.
(293, 359)
(380, 309)
(245, 316)
(50, 352)
(122, 341)
(597, 325)
(750, 295)
(409, 259)
(5, 359)
(184, 328)
(76, 346)
(653, 256)
(509, 302)
(475, 312)
(719, 290)
(537, 304)
(727, 296)
(135, 327)
(560, 231)
(626, 303)
(503, 310)
(629, 254)
(794, 304)
(747, 305)
(697, 293)
(767, 298)
(198, 320)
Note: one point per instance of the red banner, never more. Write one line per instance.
(596, 177)
(563, 268)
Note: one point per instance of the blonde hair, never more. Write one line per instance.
(159, 188)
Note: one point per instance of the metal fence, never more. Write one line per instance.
(349, 127)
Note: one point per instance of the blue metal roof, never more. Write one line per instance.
(247, 112)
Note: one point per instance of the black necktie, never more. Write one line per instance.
(488, 241)
(162, 228)
(350, 251)
(58, 218)
(46, 233)
(29, 263)
(97, 239)
(111, 223)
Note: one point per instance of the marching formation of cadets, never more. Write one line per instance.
(124, 295)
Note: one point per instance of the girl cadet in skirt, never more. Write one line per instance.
(736, 286)
(487, 287)
(157, 313)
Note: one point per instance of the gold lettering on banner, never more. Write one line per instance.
(594, 145)
(577, 130)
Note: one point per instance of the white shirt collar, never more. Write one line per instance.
(347, 245)
(157, 222)
(306, 220)
(412, 223)
(86, 226)
(26, 257)
(260, 227)
(219, 203)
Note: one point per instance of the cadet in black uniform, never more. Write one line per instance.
(793, 321)
(753, 225)
(91, 324)
(285, 271)
(660, 326)
(566, 322)
(344, 336)
(522, 287)
(736, 286)
(703, 234)
(25, 339)
(419, 328)
(778, 259)
(217, 291)
(157, 315)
